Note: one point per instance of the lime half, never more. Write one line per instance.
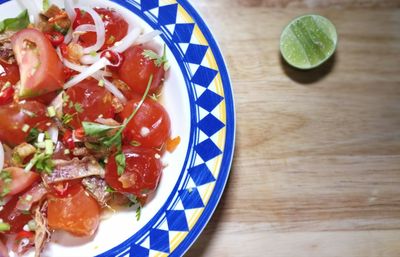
(308, 41)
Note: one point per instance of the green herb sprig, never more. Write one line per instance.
(101, 131)
(158, 61)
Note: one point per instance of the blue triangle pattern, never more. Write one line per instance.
(177, 221)
(159, 240)
(167, 14)
(209, 100)
(148, 4)
(183, 33)
(195, 53)
(210, 125)
(207, 150)
(138, 251)
(191, 198)
(201, 175)
(204, 76)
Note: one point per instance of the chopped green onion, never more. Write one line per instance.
(51, 111)
(32, 225)
(6, 85)
(48, 146)
(101, 83)
(25, 128)
(66, 151)
(4, 227)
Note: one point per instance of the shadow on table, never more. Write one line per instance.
(199, 248)
(308, 76)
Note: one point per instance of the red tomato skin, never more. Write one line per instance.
(95, 101)
(115, 25)
(143, 170)
(13, 118)
(15, 218)
(21, 180)
(137, 69)
(41, 72)
(8, 73)
(152, 117)
(6, 95)
(78, 213)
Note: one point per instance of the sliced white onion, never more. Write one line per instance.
(114, 90)
(82, 68)
(147, 37)
(89, 59)
(33, 9)
(53, 132)
(68, 37)
(85, 28)
(1, 156)
(127, 41)
(103, 62)
(99, 75)
(69, 8)
(58, 51)
(100, 30)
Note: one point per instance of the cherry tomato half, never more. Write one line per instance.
(40, 68)
(137, 69)
(115, 25)
(78, 213)
(16, 219)
(18, 119)
(20, 180)
(150, 127)
(8, 73)
(142, 172)
(87, 101)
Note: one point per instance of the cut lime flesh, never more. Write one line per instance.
(308, 41)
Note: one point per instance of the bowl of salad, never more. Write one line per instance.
(117, 127)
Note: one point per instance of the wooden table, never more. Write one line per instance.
(317, 164)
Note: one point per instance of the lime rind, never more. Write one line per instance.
(308, 41)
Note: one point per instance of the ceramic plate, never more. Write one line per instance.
(198, 97)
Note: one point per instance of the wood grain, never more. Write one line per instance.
(317, 163)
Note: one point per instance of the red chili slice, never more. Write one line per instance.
(6, 95)
(55, 37)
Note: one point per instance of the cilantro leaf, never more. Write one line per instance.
(120, 160)
(17, 23)
(96, 129)
(100, 131)
(78, 107)
(158, 61)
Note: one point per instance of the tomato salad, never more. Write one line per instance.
(81, 123)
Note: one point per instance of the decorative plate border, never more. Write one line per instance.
(194, 198)
(179, 222)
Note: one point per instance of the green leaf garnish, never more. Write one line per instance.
(96, 129)
(78, 107)
(45, 5)
(17, 23)
(33, 135)
(120, 160)
(100, 131)
(158, 61)
(138, 212)
(42, 162)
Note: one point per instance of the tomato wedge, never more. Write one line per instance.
(20, 180)
(78, 213)
(40, 68)
(142, 172)
(14, 117)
